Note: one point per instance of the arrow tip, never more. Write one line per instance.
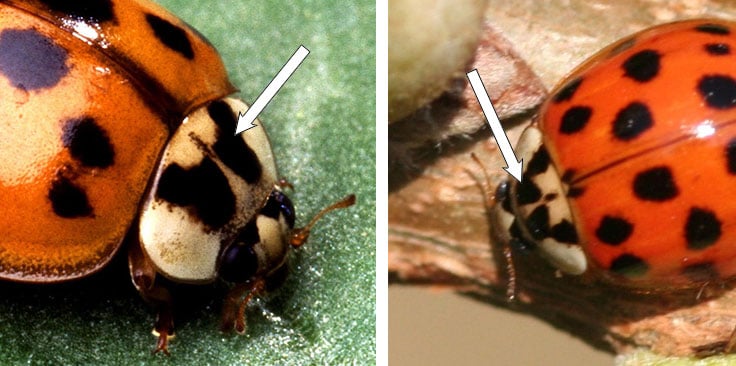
(245, 122)
(514, 169)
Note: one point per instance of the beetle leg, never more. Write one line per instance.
(233, 309)
(143, 274)
(283, 183)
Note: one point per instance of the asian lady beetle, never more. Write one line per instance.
(631, 166)
(119, 131)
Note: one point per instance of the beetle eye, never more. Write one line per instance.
(279, 203)
(239, 262)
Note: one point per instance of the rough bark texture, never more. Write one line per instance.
(438, 228)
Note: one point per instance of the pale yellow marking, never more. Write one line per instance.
(568, 258)
(178, 244)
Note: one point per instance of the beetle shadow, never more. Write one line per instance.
(104, 299)
(587, 306)
(103, 312)
(110, 282)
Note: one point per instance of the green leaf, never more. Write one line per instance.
(322, 127)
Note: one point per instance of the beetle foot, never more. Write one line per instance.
(233, 311)
(162, 345)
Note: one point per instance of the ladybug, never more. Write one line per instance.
(119, 131)
(631, 165)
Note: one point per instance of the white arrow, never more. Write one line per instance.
(513, 166)
(245, 120)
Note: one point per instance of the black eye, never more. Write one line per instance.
(239, 263)
(279, 203)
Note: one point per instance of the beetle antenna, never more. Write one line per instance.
(489, 200)
(299, 235)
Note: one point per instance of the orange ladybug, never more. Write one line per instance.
(630, 170)
(122, 126)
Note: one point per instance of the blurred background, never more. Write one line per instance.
(429, 327)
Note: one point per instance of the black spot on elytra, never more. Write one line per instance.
(718, 91)
(568, 175)
(655, 184)
(731, 156)
(202, 188)
(171, 36)
(96, 11)
(538, 164)
(279, 203)
(713, 29)
(629, 265)
(632, 121)
(622, 46)
(239, 261)
(567, 91)
(68, 200)
(702, 228)
(88, 143)
(575, 119)
(538, 222)
(30, 60)
(564, 232)
(701, 272)
(573, 192)
(614, 230)
(642, 66)
(232, 149)
(718, 49)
